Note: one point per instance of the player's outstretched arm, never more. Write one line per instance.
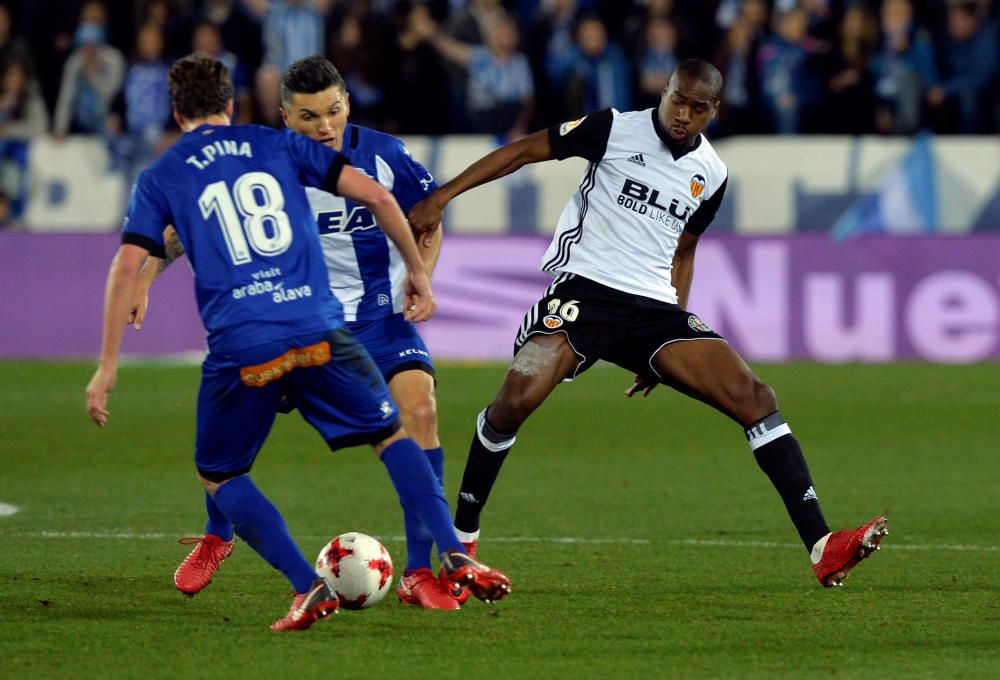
(430, 249)
(153, 267)
(420, 304)
(426, 215)
(118, 295)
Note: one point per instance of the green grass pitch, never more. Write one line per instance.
(640, 536)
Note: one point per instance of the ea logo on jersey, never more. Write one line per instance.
(552, 321)
(566, 128)
(697, 186)
(697, 324)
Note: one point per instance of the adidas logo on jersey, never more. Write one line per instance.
(637, 159)
(810, 494)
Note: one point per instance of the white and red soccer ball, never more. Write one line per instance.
(357, 568)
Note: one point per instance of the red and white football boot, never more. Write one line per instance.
(198, 568)
(486, 583)
(307, 608)
(461, 594)
(422, 589)
(845, 548)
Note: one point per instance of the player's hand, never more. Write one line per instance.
(425, 218)
(643, 383)
(420, 303)
(97, 393)
(139, 306)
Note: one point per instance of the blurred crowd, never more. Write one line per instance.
(500, 67)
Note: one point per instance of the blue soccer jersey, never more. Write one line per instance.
(235, 196)
(367, 273)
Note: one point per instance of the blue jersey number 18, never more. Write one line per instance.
(251, 216)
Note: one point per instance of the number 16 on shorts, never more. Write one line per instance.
(559, 311)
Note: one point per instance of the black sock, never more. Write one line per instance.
(779, 456)
(487, 452)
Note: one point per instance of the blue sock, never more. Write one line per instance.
(217, 523)
(436, 458)
(262, 527)
(418, 538)
(420, 492)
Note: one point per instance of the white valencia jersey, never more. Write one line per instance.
(622, 226)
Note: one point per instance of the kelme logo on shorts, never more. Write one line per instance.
(552, 321)
(698, 325)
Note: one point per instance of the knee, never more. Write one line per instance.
(760, 400)
(420, 418)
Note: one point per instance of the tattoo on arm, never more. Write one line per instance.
(174, 249)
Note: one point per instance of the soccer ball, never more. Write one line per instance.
(357, 568)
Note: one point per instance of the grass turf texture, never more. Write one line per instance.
(658, 480)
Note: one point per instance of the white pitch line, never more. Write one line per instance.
(709, 543)
(6, 509)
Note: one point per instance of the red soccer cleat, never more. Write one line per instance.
(422, 589)
(486, 583)
(309, 607)
(844, 549)
(198, 568)
(461, 594)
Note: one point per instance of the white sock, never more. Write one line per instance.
(467, 538)
(817, 552)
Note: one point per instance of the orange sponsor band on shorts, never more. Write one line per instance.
(269, 371)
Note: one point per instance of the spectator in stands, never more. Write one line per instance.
(147, 101)
(736, 60)
(419, 73)
(22, 110)
(788, 87)
(175, 28)
(23, 115)
(292, 30)
(365, 51)
(657, 62)
(903, 69)
(13, 47)
(472, 23)
(549, 39)
(850, 106)
(642, 14)
(207, 38)
(969, 57)
(240, 33)
(686, 17)
(92, 78)
(500, 92)
(595, 70)
(820, 17)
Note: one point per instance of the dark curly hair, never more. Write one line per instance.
(200, 86)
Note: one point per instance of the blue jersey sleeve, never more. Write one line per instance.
(148, 215)
(413, 182)
(318, 166)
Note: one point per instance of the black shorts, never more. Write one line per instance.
(605, 323)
